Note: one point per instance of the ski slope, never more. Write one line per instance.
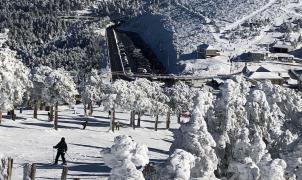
(31, 140)
(249, 16)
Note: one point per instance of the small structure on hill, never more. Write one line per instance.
(283, 57)
(204, 51)
(276, 75)
(281, 48)
(256, 56)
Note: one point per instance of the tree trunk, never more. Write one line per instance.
(10, 168)
(0, 117)
(90, 107)
(113, 120)
(56, 116)
(36, 110)
(132, 117)
(156, 122)
(51, 113)
(13, 115)
(91, 110)
(85, 110)
(41, 106)
(168, 119)
(133, 120)
(33, 172)
(139, 119)
(178, 117)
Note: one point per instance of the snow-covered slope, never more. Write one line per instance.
(174, 29)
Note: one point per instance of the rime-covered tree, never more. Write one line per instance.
(55, 87)
(91, 90)
(195, 138)
(124, 156)
(178, 166)
(14, 81)
(181, 98)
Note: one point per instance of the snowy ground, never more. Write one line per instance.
(31, 140)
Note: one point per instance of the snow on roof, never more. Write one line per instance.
(273, 68)
(283, 46)
(292, 81)
(252, 68)
(284, 75)
(282, 55)
(265, 75)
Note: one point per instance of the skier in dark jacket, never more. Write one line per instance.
(61, 150)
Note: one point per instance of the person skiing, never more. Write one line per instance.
(61, 150)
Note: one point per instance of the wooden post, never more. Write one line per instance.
(33, 172)
(156, 122)
(36, 110)
(10, 168)
(56, 116)
(29, 172)
(64, 173)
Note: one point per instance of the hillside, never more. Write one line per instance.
(174, 30)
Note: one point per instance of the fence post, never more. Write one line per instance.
(33, 172)
(10, 168)
(64, 173)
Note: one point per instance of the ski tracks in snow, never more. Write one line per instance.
(242, 20)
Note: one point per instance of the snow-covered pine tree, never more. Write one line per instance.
(195, 138)
(55, 87)
(91, 90)
(181, 98)
(179, 166)
(124, 157)
(14, 81)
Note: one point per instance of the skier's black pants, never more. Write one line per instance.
(62, 154)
